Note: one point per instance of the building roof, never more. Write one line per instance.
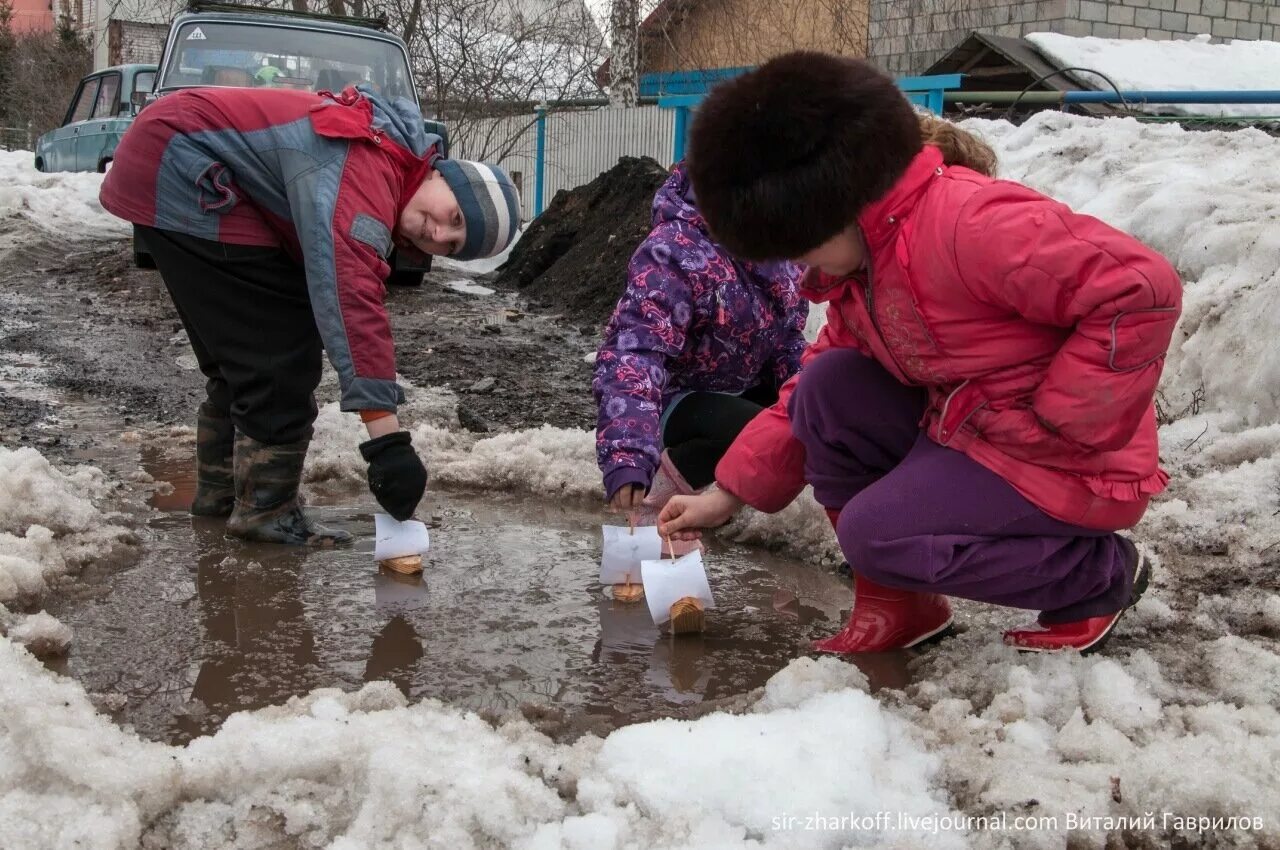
(1004, 63)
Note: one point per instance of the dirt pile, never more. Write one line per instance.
(573, 258)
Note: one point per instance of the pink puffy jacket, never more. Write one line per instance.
(1039, 333)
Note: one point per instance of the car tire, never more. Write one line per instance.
(39, 164)
(405, 278)
(104, 166)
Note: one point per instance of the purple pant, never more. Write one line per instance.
(918, 516)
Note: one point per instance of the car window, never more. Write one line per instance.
(107, 103)
(212, 53)
(82, 108)
(144, 80)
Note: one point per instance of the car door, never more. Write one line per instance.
(98, 135)
(60, 155)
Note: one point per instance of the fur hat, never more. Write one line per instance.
(786, 156)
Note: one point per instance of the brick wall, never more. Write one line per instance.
(131, 41)
(907, 36)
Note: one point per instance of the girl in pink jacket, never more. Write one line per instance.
(977, 416)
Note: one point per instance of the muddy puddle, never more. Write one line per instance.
(509, 617)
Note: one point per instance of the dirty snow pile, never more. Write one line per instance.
(547, 461)
(62, 204)
(363, 770)
(1196, 65)
(50, 522)
(43, 635)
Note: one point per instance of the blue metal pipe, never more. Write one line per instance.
(1157, 96)
(1139, 96)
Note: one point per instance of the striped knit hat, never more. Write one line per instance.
(489, 202)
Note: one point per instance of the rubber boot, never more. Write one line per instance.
(667, 482)
(1087, 635)
(215, 483)
(884, 618)
(267, 507)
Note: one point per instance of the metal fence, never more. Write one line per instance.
(17, 138)
(576, 146)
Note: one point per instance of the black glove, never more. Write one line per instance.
(397, 477)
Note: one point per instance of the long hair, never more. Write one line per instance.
(959, 147)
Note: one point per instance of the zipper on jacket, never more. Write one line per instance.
(871, 307)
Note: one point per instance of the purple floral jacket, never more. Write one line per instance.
(692, 318)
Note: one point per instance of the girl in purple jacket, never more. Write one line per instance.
(697, 346)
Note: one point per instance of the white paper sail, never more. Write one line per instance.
(667, 582)
(624, 552)
(394, 539)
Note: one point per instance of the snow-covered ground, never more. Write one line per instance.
(1195, 65)
(1178, 722)
(63, 205)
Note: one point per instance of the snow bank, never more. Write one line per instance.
(545, 461)
(801, 530)
(364, 770)
(1047, 737)
(44, 635)
(63, 204)
(1103, 738)
(50, 522)
(1196, 65)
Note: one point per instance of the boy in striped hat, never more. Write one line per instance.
(271, 215)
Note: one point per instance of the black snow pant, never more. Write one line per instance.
(703, 425)
(248, 316)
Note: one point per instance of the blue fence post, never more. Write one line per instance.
(540, 161)
(682, 129)
(681, 103)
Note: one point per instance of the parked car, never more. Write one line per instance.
(100, 112)
(225, 44)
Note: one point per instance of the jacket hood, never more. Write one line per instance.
(674, 200)
(401, 121)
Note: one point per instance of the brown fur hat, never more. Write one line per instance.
(786, 156)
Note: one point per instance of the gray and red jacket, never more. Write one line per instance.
(322, 176)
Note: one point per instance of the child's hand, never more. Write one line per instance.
(683, 515)
(627, 499)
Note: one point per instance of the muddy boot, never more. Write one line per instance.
(215, 485)
(267, 507)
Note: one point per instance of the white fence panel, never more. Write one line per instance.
(579, 145)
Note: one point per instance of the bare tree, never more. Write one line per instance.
(480, 59)
(38, 74)
(624, 53)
